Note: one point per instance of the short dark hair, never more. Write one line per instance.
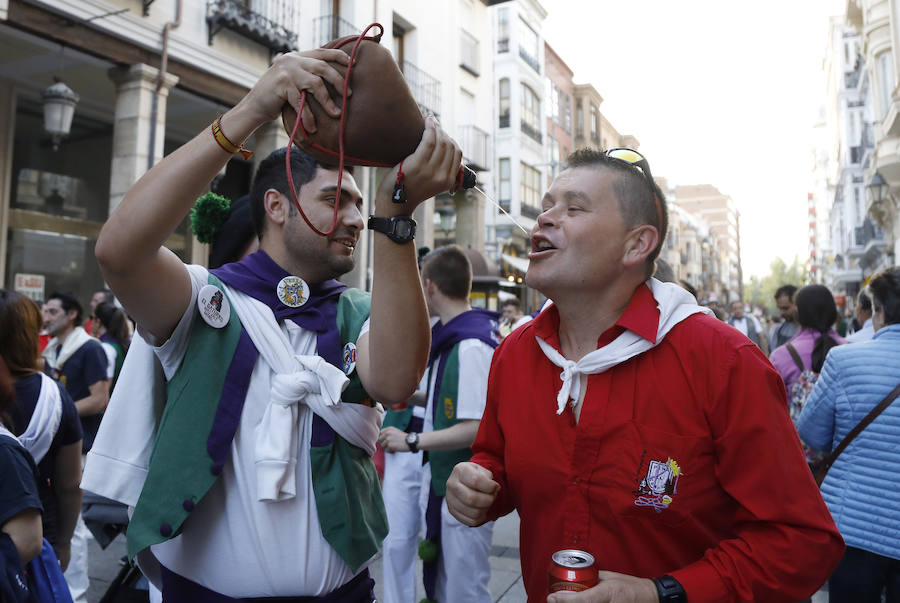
(108, 296)
(783, 290)
(68, 301)
(641, 201)
(511, 301)
(885, 290)
(449, 269)
(864, 301)
(271, 173)
(816, 310)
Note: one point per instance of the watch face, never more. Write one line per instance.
(412, 438)
(402, 229)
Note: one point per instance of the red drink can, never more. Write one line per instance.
(572, 570)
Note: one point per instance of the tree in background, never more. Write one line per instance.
(760, 291)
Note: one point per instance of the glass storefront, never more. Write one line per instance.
(59, 200)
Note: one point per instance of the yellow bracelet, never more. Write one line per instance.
(226, 144)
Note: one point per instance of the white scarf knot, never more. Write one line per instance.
(674, 304)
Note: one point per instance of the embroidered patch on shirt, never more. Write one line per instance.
(658, 486)
(448, 408)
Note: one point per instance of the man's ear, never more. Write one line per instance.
(276, 206)
(639, 244)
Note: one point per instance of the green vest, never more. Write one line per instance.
(348, 497)
(443, 461)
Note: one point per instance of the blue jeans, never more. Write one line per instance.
(861, 577)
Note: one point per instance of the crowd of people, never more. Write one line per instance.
(235, 409)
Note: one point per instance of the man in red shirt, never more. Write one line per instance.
(647, 433)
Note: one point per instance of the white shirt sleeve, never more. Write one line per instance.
(172, 351)
(474, 366)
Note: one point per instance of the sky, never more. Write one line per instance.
(717, 92)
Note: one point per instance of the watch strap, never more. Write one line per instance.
(413, 443)
(669, 590)
(399, 229)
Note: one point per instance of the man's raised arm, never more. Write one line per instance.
(150, 280)
(394, 352)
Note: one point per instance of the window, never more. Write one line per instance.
(885, 70)
(554, 159)
(857, 197)
(555, 112)
(505, 187)
(568, 122)
(503, 30)
(531, 111)
(579, 120)
(468, 52)
(504, 103)
(595, 123)
(528, 45)
(530, 191)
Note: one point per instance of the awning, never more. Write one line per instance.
(520, 264)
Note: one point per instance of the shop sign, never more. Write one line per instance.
(30, 285)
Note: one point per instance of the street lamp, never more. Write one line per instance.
(59, 107)
(448, 219)
(877, 187)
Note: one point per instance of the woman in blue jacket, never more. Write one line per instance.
(861, 487)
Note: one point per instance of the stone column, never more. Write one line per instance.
(7, 129)
(133, 125)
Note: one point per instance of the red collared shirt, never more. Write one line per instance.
(683, 462)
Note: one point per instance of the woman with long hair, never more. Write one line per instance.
(44, 419)
(20, 505)
(816, 314)
(111, 328)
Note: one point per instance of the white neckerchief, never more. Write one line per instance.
(307, 379)
(674, 303)
(44, 421)
(77, 338)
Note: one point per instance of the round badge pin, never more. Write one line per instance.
(213, 305)
(293, 291)
(349, 357)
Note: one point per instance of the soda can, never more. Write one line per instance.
(572, 570)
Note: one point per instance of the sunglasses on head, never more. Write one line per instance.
(635, 159)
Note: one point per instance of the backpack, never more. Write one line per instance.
(800, 390)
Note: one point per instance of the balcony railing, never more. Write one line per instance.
(532, 132)
(475, 144)
(268, 22)
(332, 27)
(425, 88)
(531, 60)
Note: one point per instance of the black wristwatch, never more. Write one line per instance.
(669, 590)
(399, 229)
(412, 440)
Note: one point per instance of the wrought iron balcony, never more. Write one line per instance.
(425, 88)
(475, 144)
(531, 60)
(531, 132)
(269, 22)
(332, 27)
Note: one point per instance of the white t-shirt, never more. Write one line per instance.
(231, 542)
(474, 366)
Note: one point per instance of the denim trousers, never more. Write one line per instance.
(862, 577)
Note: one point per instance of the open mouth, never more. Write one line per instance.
(540, 246)
(346, 242)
